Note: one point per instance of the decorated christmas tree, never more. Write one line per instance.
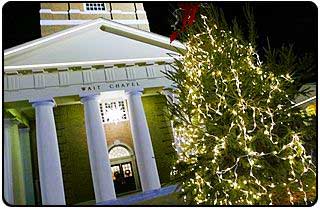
(239, 138)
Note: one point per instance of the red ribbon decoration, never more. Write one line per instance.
(189, 11)
(173, 36)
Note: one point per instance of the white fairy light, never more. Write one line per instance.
(248, 119)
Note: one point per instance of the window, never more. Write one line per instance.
(113, 112)
(95, 6)
(127, 169)
(118, 151)
(115, 169)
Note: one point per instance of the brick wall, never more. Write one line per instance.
(34, 160)
(55, 6)
(119, 131)
(74, 156)
(161, 134)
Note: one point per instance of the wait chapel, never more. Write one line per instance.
(85, 106)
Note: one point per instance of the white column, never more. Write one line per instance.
(98, 154)
(51, 183)
(142, 142)
(7, 164)
(17, 166)
(26, 163)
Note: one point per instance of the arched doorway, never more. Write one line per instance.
(124, 171)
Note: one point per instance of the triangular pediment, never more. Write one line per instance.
(96, 41)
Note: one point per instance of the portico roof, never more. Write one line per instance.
(97, 42)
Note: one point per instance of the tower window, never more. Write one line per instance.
(95, 6)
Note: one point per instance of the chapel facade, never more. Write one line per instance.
(85, 117)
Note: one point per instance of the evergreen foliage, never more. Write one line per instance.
(238, 139)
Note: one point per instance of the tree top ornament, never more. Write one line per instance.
(189, 11)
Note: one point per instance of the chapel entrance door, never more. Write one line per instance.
(123, 177)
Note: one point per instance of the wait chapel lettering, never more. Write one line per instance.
(111, 86)
(124, 85)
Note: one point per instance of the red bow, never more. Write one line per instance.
(189, 11)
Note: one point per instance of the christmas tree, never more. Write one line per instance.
(238, 137)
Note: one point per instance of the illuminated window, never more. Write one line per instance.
(95, 6)
(118, 151)
(113, 112)
(115, 169)
(127, 169)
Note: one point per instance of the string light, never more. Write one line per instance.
(248, 118)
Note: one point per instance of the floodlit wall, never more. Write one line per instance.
(161, 134)
(119, 132)
(74, 155)
(17, 167)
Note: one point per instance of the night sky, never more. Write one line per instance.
(281, 22)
